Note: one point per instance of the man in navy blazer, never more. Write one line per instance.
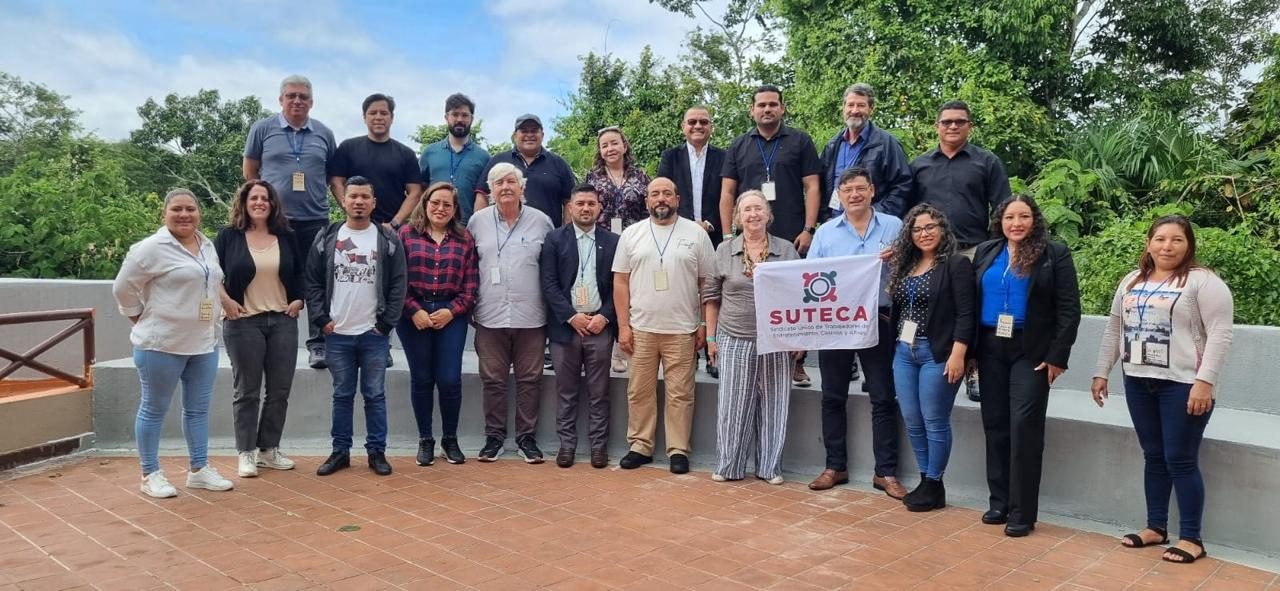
(577, 284)
(695, 169)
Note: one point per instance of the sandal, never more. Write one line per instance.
(1184, 557)
(1136, 541)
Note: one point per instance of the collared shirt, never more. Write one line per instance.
(849, 153)
(587, 271)
(839, 237)
(734, 290)
(439, 162)
(967, 188)
(164, 283)
(795, 158)
(625, 202)
(549, 181)
(697, 172)
(282, 150)
(437, 271)
(510, 294)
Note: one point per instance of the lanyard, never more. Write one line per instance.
(1004, 280)
(913, 285)
(1142, 304)
(453, 168)
(591, 251)
(302, 143)
(768, 160)
(662, 250)
(497, 222)
(199, 261)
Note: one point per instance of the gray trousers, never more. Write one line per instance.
(505, 351)
(262, 345)
(583, 365)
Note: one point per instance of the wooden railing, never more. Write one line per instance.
(84, 322)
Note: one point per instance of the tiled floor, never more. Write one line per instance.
(511, 526)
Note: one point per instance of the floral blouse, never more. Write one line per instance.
(627, 201)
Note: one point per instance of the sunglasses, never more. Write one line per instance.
(697, 122)
(953, 122)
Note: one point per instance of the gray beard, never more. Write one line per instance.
(667, 213)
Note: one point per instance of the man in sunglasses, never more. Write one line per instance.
(695, 169)
(965, 182)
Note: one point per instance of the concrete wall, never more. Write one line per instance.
(33, 420)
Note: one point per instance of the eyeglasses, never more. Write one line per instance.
(953, 122)
(604, 130)
(297, 96)
(925, 229)
(697, 122)
(440, 204)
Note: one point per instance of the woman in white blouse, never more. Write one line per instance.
(168, 288)
(1171, 326)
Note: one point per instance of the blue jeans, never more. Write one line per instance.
(1170, 440)
(362, 358)
(159, 374)
(926, 398)
(435, 362)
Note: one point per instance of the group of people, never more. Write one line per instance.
(635, 274)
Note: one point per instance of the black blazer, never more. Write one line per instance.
(675, 166)
(559, 265)
(1053, 301)
(238, 269)
(951, 315)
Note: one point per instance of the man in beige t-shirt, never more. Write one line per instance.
(657, 276)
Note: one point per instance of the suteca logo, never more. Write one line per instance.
(820, 287)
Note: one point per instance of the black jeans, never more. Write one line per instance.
(261, 346)
(1015, 399)
(836, 368)
(305, 232)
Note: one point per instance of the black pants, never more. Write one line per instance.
(305, 232)
(836, 368)
(1015, 399)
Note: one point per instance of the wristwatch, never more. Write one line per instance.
(811, 229)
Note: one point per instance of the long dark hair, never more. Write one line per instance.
(905, 252)
(277, 223)
(1147, 264)
(628, 159)
(418, 218)
(1033, 245)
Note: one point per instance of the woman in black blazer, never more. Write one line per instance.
(932, 290)
(1028, 311)
(261, 297)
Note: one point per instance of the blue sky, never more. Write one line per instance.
(511, 56)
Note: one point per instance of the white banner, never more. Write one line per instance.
(817, 304)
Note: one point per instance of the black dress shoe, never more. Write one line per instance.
(599, 458)
(1018, 530)
(679, 463)
(426, 451)
(336, 461)
(713, 371)
(378, 462)
(564, 457)
(995, 517)
(634, 459)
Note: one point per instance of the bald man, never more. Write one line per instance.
(657, 278)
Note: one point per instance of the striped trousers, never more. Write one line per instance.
(755, 393)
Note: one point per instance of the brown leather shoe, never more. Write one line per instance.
(890, 486)
(599, 458)
(828, 479)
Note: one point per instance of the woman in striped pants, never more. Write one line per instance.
(755, 389)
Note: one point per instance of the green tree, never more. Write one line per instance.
(32, 118)
(430, 134)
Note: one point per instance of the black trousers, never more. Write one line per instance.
(1015, 399)
(305, 232)
(836, 368)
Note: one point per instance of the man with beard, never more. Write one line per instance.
(863, 144)
(657, 278)
(549, 178)
(457, 158)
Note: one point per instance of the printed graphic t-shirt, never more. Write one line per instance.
(355, 265)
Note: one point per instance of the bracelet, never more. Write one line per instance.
(711, 339)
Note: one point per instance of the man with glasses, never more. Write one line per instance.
(292, 151)
(457, 158)
(965, 182)
(549, 178)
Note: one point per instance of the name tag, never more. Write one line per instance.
(580, 294)
(834, 203)
(770, 190)
(908, 334)
(1004, 326)
(495, 276)
(1135, 352)
(615, 225)
(206, 310)
(299, 181)
(660, 281)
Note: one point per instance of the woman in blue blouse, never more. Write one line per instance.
(1028, 312)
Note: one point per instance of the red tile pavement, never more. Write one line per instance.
(84, 525)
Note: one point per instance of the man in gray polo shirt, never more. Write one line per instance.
(292, 151)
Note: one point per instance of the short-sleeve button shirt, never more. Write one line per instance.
(795, 159)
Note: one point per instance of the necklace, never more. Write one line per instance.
(749, 263)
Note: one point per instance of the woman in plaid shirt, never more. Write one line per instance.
(443, 278)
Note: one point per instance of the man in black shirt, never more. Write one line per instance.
(391, 166)
(548, 178)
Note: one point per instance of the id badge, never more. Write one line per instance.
(1135, 352)
(1004, 326)
(206, 310)
(299, 181)
(908, 334)
(615, 225)
(495, 275)
(580, 295)
(770, 190)
(660, 281)
(834, 203)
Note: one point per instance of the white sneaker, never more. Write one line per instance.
(208, 478)
(275, 459)
(156, 485)
(248, 464)
(717, 477)
(776, 480)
